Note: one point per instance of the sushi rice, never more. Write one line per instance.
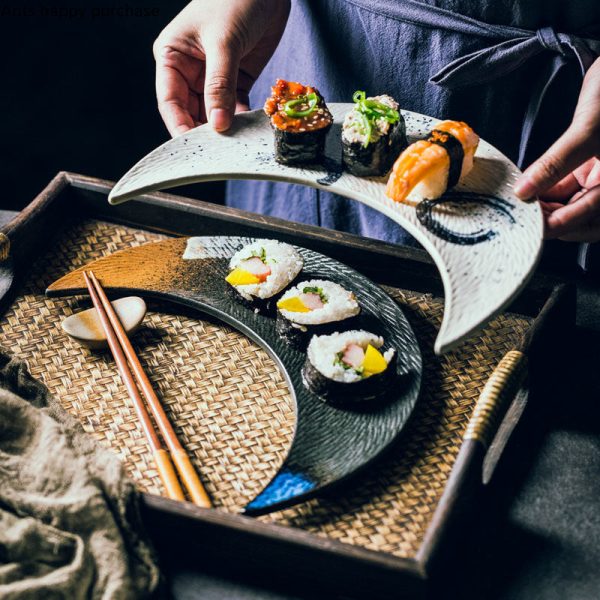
(339, 303)
(323, 350)
(284, 261)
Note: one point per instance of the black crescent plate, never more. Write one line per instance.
(330, 443)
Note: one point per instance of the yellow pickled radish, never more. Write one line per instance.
(373, 362)
(241, 277)
(293, 304)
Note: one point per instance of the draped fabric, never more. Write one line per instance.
(511, 68)
(69, 523)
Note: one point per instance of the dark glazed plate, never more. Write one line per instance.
(331, 443)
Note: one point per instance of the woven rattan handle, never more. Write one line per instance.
(32, 222)
(4, 246)
(502, 385)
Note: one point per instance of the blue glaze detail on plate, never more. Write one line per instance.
(284, 488)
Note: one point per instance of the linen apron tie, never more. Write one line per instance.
(516, 46)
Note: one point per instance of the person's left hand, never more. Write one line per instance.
(567, 176)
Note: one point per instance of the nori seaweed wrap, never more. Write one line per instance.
(300, 120)
(348, 368)
(373, 134)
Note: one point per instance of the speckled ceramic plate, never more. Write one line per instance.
(484, 240)
(330, 443)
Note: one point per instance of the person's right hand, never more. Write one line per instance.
(209, 56)
(567, 175)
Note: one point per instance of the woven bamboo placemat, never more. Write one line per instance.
(231, 407)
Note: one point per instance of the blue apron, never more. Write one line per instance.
(516, 86)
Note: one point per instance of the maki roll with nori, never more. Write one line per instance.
(349, 367)
(300, 120)
(313, 307)
(429, 167)
(259, 271)
(373, 134)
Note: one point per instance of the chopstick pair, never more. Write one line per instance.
(131, 370)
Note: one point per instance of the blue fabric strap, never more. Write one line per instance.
(516, 46)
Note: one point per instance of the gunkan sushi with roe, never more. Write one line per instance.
(300, 121)
(262, 269)
(427, 168)
(349, 367)
(373, 134)
(313, 307)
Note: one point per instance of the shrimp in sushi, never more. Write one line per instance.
(427, 168)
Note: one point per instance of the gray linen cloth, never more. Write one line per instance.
(69, 526)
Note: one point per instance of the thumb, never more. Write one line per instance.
(220, 83)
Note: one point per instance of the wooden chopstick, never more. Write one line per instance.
(180, 457)
(161, 456)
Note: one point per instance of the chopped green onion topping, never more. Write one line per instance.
(315, 290)
(367, 128)
(371, 110)
(310, 99)
(262, 255)
(338, 360)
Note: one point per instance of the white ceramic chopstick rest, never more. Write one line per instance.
(85, 326)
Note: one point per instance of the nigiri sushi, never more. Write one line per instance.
(373, 133)
(427, 168)
(300, 121)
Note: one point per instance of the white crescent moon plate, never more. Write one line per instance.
(479, 279)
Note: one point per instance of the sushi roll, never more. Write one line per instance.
(373, 134)
(349, 367)
(300, 121)
(313, 307)
(259, 271)
(427, 168)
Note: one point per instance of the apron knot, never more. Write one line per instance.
(517, 46)
(494, 61)
(550, 40)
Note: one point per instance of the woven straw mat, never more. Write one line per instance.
(231, 407)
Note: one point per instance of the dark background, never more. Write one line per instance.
(77, 92)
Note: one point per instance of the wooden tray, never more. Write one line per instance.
(302, 551)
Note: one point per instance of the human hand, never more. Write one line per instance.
(567, 176)
(209, 56)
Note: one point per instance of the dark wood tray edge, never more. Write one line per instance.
(68, 191)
